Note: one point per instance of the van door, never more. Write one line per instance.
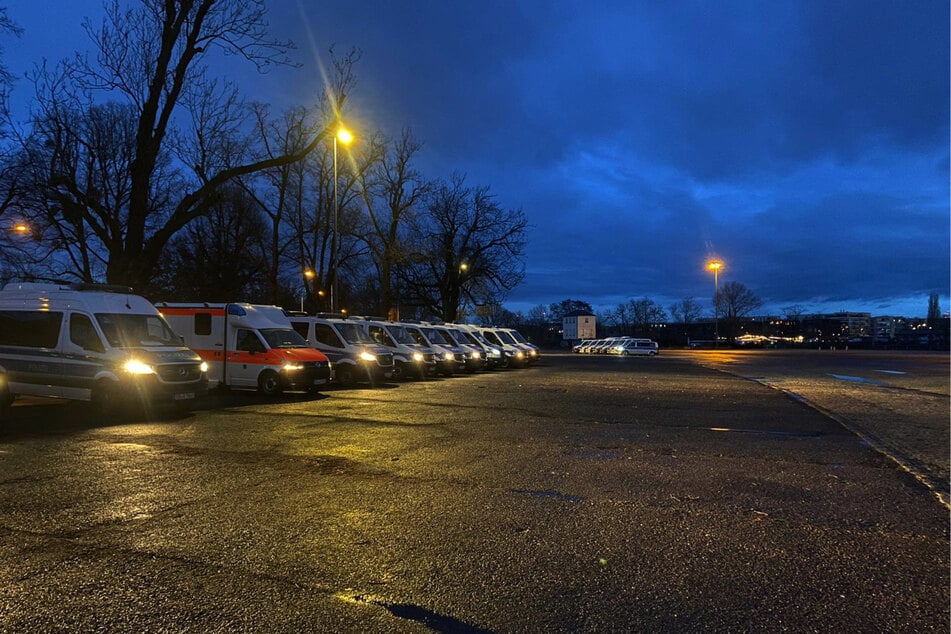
(30, 351)
(84, 357)
(246, 358)
(327, 341)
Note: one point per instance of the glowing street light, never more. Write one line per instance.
(308, 275)
(715, 266)
(21, 228)
(344, 136)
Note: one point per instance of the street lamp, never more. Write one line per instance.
(715, 266)
(345, 137)
(308, 275)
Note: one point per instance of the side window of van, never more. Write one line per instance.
(247, 341)
(380, 337)
(326, 335)
(31, 329)
(83, 333)
(300, 327)
(203, 324)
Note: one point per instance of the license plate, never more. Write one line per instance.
(320, 381)
(184, 396)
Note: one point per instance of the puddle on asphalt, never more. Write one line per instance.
(767, 432)
(412, 612)
(891, 371)
(855, 379)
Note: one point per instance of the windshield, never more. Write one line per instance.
(283, 338)
(468, 337)
(435, 336)
(475, 334)
(460, 337)
(517, 336)
(353, 333)
(399, 333)
(505, 337)
(136, 331)
(418, 336)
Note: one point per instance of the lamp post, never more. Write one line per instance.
(345, 137)
(308, 275)
(715, 266)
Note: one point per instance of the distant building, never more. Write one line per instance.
(578, 325)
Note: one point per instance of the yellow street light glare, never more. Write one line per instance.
(309, 274)
(344, 136)
(714, 265)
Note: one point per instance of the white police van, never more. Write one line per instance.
(354, 354)
(92, 342)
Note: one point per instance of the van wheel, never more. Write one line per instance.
(345, 375)
(106, 399)
(269, 383)
(399, 371)
(6, 401)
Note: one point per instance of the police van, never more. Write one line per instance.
(355, 355)
(92, 342)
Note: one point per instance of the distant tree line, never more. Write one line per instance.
(137, 167)
(636, 317)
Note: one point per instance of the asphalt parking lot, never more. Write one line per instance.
(584, 494)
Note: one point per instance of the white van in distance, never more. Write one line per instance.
(92, 342)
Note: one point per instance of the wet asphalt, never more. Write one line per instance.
(585, 494)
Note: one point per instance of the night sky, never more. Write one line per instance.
(806, 144)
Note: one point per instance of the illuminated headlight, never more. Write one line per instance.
(476, 354)
(134, 366)
(203, 366)
(366, 356)
(292, 367)
(533, 352)
(448, 356)
(417, 356)
(519, 354)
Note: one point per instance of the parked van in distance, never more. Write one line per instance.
(249, 346)
(628, 347)
(409, 357)
(92, 342)
(355, 355)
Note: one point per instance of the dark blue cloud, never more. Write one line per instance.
(805, 143)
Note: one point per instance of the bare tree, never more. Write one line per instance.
(469, 250)
(393, 193)
(151, 57)
(644, 313)
(221, 256)
(560, 309)
(794, 312)
(734, 301)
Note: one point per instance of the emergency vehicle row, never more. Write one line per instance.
(104, 344)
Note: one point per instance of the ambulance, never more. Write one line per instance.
(249, 346)
(93, 342)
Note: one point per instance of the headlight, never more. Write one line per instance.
(134, 366)
(417, 356)
(476, 354)
(448, 356)
(291, 367)
(519, 354)
(366, 356)
(203, 367)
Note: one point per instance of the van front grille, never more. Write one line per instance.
(179, 372)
